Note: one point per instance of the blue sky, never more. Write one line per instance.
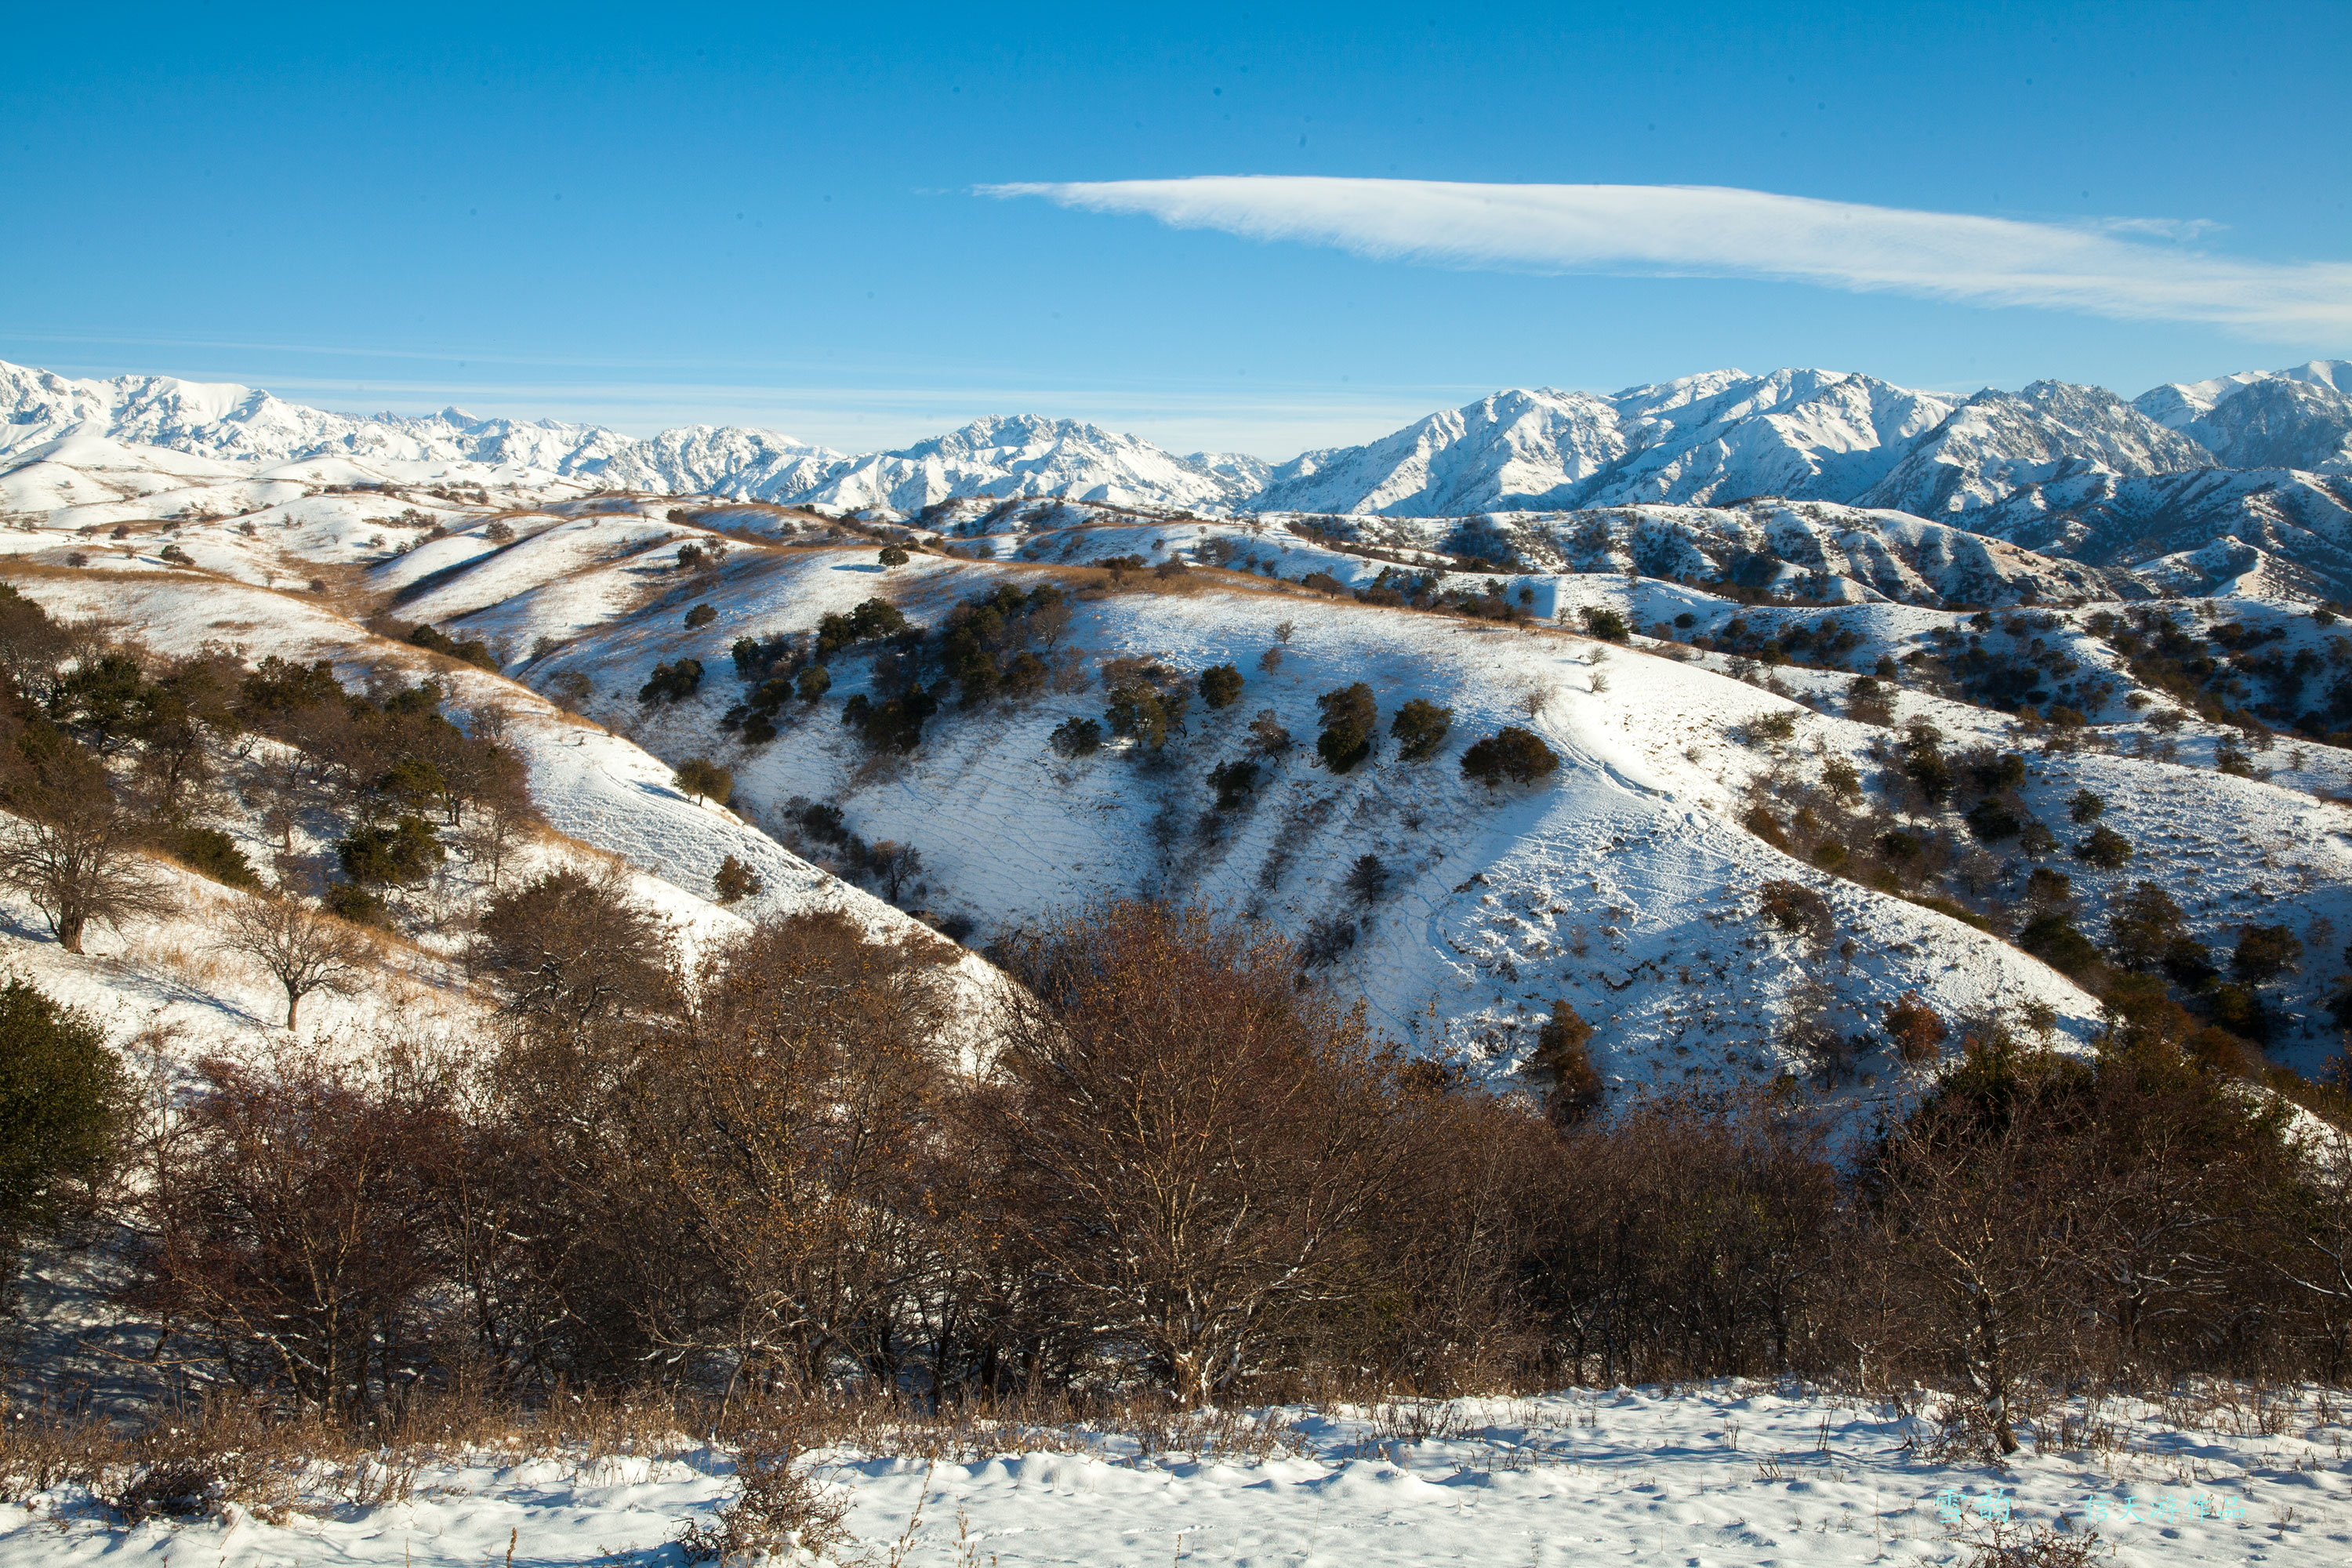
(656, 215)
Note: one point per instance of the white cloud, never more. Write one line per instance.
(1706, 231)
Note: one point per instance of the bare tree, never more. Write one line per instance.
(289, 1228)
(894, 865)
(79, 867)
(1979, 1233)
(1190, 1147)
(491, 837)
(305, 949)
(796, 1113)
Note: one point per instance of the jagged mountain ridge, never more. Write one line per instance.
(1019, 455)
(2294, 418)
(2239, 462)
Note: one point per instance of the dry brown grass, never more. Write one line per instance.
(278, 1462)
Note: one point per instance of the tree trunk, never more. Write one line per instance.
(1994, 1373)
(293, 1006)
(70, 929)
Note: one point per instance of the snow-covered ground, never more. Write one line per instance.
(1726, 1473)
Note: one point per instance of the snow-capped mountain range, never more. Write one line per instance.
(2258, 460)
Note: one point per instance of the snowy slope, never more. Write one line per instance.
(594, 787)
(1818, 550)
(592, 588)
(1626, 888)
(2148, 525)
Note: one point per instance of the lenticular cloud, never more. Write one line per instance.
(1716, 232)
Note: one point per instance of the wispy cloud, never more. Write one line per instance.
(1706, 231)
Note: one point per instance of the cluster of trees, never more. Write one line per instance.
(986, 648)
(473, 650)
(107, 755)
(672, 680)
(1931, 835)
(1179, 1167)
(399, 772)
(2232, 674)
(1826, 642)
(1486, 599)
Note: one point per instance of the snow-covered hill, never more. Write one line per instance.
(2300, 521)
(1815, 550)
(1628, 888)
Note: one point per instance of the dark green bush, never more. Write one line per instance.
(1992, 819)
(2105, 848)
(211, 853)
(2265, 952)
(473, 651)
(673, 682)
(1605, 624)
(63, 1108)
(1220, 686)
(400, 854)
(2142, 926)
(1024, 676)
(2238, 1009)
(1145, 713)
(703, 779)
(1419, 728)
(1078, 737)
(873, 618)
(360, 905)
(700, 616)
(1350, 720)
(2052, 939)
(1512, 754)
(1234, 783)
(734, 880)
(893, 724)
(812, 683)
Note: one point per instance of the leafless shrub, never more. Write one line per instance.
(2018, 1545)
(773, 1508)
